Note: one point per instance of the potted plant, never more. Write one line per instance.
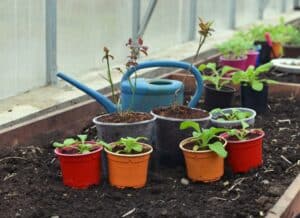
(244, 148)
(204, 152)
(113, 126)
(254, 90)
(169, 118)
(80, 161)
(128, 162)
(232, 117)
(234, 52)
(216, 92)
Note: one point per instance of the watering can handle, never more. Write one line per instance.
(173, 64)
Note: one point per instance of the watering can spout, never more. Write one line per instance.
(109, 106)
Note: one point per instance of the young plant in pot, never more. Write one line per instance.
(254, 90)
(232, 117)
(204, 152)
(234, 53)
(113, 126)
(80, 161)
(169, 118)
(217, 93)
(128, 160)
(244, 148)
(291, 48)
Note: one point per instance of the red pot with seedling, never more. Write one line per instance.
(244, 148)
(80, 162)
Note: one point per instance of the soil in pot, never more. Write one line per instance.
(203, 165)
(214, 98)
(291, 51)
(125, 117)
(168, 134)
(128, 170)
(256, 100)
(247, 154)
(31, 182)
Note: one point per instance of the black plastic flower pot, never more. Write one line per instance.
(264, 52)
(256, 100)
(291, 51)
(214, 98)
(168, 137)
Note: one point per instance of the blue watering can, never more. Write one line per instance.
(148, 93)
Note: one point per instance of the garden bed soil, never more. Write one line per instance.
(181, 112)
(31, 183)
(125, 117)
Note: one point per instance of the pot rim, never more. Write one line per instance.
(234, 121)
(206, 85)
(130, 155)
(182, 119)
(260, 131)
(57, 152)
(222, 58)
(95, 121)
(183, 142)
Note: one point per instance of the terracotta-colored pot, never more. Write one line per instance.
(276, 50)
(80, 170)
(128, 170)
(204, 166)
(244, 155)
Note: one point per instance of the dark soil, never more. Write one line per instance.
(283, 76)
(31, 183)
(181, 112)
(120, 148)
(125, 117)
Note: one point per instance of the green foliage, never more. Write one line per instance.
(251, 77)
(204, 137)
(79, 145)
(241, 134)
(216, 78)
(235, 48)
(130, 144)
(235, 114)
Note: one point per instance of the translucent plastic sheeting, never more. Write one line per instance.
(22, 43)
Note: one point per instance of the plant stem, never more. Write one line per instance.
(110, 81)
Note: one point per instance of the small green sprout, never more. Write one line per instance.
(235, 114)
(203, 138)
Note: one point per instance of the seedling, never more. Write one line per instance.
(205, 138)
(251, 77)
(234, 114)
(71, 145)
(241, 134)
(128, 145)
(217, 76)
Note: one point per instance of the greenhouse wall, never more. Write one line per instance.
(85, 27)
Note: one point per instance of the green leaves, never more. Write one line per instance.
(218, 148)
(234, 114)
(203, 137)
(251, 77)
(131, 144)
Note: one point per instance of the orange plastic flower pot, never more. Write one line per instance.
(204, 166)
(244, 155)
(128, 170)
(277, 50)
(80, 170)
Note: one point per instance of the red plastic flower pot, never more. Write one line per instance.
(244, 155)
(80, 170)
